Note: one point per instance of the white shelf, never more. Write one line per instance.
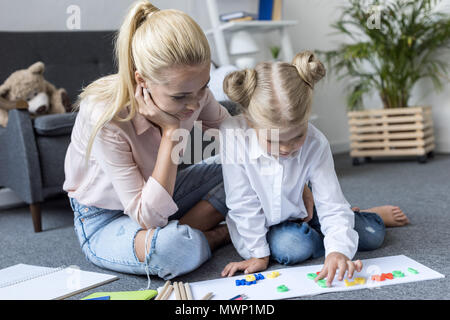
(254, 25)
(218, 30)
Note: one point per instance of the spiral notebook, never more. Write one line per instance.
(27, 282)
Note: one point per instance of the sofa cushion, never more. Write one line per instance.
(55, 124)
(73, 59)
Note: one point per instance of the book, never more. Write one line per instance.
(236, 15)
(277, 9)
(28, 282)
(265, 9)
(241, 19)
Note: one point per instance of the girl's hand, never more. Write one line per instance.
(334, 261)
(249, 266)
(308, 200)
(152, 112)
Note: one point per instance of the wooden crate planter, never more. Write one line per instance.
(391, 132)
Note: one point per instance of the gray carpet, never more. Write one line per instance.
(422, 190)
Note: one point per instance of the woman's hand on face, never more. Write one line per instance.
(248, 266)
(152, 112)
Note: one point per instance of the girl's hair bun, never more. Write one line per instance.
(309, 68)
(240, 85)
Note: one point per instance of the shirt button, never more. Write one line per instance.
(86, 210)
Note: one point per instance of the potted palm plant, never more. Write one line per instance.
(393, 44)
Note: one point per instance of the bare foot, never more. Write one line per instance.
(392, 216)
(218, 236)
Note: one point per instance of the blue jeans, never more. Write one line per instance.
(107, 236)
(292, 242)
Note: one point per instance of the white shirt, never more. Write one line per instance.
(262, 191)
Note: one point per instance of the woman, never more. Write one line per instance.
(122, 182)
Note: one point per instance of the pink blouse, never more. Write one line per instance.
(118, 175)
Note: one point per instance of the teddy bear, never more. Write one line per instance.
(27, 89)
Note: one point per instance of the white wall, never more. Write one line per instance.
(312, 32)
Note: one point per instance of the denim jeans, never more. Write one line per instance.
(292, 242)
(107, 236)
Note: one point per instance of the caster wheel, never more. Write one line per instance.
(368, 159)
(422, 159)
(430, 154)
(355, 162)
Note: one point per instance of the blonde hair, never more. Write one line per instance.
(262, 91)
(149, 40)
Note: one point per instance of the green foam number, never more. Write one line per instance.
(322, 283)
(311, 276)
(413, 271)
(398, 274)
(282, 288)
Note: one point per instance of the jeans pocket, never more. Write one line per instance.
(87, 212)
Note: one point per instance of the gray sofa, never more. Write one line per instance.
(33, 151)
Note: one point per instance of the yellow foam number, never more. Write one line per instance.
(273, 274)
(360, 280)
(349, 283)
(250, 278)
(355, 282)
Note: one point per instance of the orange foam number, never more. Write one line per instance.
(389, 276)
(378, 278)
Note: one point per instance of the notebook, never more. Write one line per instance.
(27, 282)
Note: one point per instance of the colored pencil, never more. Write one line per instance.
(208, 296)
(182, 291)
(167, 293)
(187, 287)
(163, 290)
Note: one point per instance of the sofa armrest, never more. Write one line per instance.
(19, 158)
(55, 124)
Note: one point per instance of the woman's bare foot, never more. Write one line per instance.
(218, 236)
(392, 216)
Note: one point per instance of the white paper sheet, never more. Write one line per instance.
(42, 283)
(299, 285)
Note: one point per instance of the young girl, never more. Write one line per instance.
(268, 153)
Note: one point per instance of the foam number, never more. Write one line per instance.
(250, 278)
(372, 271)
(273, 275)
(349, 283)
(360, 280)
(73, 282)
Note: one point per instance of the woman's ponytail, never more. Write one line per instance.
(138, 13)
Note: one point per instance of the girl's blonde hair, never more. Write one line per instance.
(262, 91)
(150, 40)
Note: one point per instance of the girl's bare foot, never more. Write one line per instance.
(218, 236)
(392, 216)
